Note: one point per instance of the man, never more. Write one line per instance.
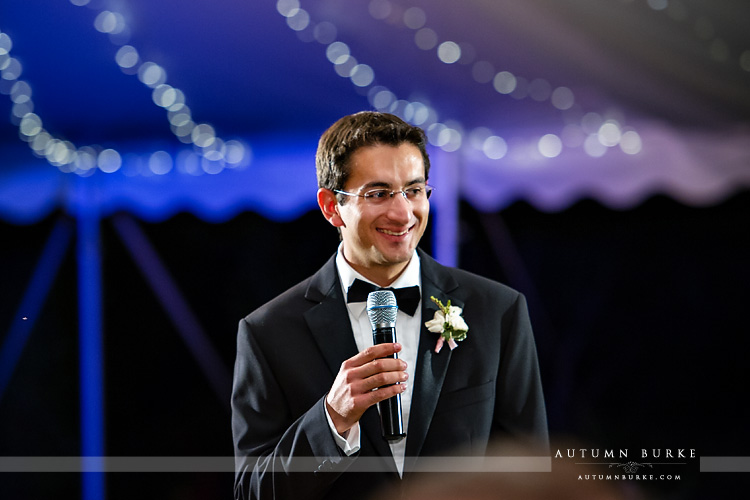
(304, 418)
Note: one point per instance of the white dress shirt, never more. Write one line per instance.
(407, 334)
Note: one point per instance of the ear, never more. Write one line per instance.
(329, 205)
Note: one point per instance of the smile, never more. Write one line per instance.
(394, 233)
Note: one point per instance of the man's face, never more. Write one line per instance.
(380, 238)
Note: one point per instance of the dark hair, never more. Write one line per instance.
(366, 128)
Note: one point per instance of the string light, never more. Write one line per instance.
(214, 153)
(482, 71)
(550, 146)
(449, 135)
(450, 52)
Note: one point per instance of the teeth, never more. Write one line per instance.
(392, 233)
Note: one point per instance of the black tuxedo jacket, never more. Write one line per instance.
(290, 350)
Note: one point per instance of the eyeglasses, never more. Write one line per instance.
(381, 196)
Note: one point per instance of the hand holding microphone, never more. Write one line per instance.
(382, 311)
(377, 367)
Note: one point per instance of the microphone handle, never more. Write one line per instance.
(391, 419)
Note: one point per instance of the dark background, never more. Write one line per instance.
(640, 320)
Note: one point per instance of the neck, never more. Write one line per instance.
(382, 276)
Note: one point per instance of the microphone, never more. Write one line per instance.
(382, 310)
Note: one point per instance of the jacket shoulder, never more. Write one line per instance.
(467, 278)
(293, 299)
(469, 286)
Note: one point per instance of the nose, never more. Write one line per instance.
(399, 208)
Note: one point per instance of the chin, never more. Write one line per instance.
(398, 257)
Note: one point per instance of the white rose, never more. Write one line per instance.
(455, 321)
(435, 325)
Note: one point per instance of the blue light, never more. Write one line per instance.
(91, 361)
(33, 299)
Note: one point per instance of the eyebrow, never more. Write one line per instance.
(381, 184)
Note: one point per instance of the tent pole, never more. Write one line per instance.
(91, 354)
(445, 173)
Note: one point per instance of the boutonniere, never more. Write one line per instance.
(448, 323)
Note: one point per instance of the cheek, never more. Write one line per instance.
(423, 214)
(355, 222)
(349, 215)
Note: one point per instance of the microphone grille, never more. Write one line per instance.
(381, 307)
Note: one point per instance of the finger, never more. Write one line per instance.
(380, 365)
(373, 352)
(381, 380)
(383, 393)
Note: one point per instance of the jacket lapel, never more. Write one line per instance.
(329, 319)
(431, 366)
(329, 323)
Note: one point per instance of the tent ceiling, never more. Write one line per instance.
(676, 71)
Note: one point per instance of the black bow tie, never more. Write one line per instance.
(407, 298)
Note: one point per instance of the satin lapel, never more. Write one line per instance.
(431, 366)
(329, 323)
